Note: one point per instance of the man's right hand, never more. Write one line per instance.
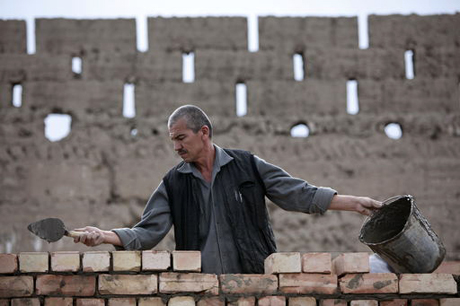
(93, 236)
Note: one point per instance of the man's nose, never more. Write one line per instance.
(177, 146)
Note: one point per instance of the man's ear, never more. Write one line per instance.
(205, 130)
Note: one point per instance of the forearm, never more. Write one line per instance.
(343, 202)
(362, 205)
(112, 238)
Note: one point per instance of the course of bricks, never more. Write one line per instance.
(162, 278)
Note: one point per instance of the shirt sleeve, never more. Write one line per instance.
(292, 193)
(155, 223)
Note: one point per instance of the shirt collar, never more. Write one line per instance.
(222, 158)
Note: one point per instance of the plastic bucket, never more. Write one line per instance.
(401, 235)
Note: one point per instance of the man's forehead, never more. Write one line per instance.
(180, 126)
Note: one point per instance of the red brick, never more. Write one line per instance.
(33, 262)
(351, 263)
(317, 263)
(211, 301)
(90, 302)
(126, 261)
(65, 261)
(181, 301)
(156, 260)
(67, 285)
(304, 283)
(16, 286)
(248, 283)
(449, 302)
(425, 302)
(243, 301)
(272, 300)
(449, 267)
(151, 301)
(333, 302)
(189, 282)
(8, 263)
(128, 284)
(369, 283)
(97, 261)
(25, 302)
(288, 262)
(302, 301)
(364, 303)
(396, 302)
(427, 283)
(122, 302)
(58, 301)
(189, 261)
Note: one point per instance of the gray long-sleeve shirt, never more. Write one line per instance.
(218, 250)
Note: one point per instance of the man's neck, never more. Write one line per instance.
(206, 163)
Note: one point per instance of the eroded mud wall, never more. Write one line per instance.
(102, 174)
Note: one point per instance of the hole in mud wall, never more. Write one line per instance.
(253, 33)
(57, 126)
(134, 132)
(17, 95)
(300, 130)
(393, 130)
(129, 105)
(142, 39)
(298, 63)
(352, 97)
(77, 65)
(363, 31)
(188, 67)
(241, 96)
(30, 33)
(409, 59)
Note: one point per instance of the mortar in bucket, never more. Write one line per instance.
(401, 235)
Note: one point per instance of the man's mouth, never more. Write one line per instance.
(182, 152)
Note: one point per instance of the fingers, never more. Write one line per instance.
(91, 236)
(366, 206)
(376, 204)
(370, 203)
(364, 211)
(82, 229)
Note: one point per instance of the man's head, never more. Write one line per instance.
(194, 116)
(190, 129)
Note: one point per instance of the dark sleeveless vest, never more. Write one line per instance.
(244, 199)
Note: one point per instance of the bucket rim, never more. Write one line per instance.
(388, 202)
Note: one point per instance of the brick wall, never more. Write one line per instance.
(164, 278)
(102, 175)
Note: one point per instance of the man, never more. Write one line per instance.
(216, 200)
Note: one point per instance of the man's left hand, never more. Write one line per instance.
(362, 205)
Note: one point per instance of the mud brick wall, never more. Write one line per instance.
(162, 278)
(102, 175)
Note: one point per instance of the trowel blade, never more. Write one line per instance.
(50, 229)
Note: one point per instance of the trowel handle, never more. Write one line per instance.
(74, 234)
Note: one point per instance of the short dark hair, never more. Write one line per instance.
(194, 117)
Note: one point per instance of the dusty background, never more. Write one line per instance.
(102, 175)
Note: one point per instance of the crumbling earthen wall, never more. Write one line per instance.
(102, 175)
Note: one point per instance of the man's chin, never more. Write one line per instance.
(185, 158)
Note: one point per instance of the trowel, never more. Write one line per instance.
(51, 229)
